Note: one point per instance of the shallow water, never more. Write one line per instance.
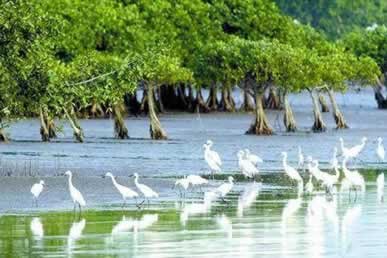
(268, 223)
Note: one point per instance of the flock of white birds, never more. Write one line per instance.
(248, 165)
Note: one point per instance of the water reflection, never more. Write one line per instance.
(192, 209)
(225, 224)
(36, 227)
(75, 233)
(348, 225)
(291, 207)
(248, 197)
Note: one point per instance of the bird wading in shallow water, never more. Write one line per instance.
(212, 158)
(146, 191)
(125, 191)
(76, 195)
(380, 150)
(36, 190)
(293, 174)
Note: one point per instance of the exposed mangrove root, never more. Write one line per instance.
(3, 136)
(319, 125)
(231, 99)
(247, 104)
(182, 99)
(200, 104)
(212, 101)
(323, 103)
(260, 124)
(144, 102)
(44, 134)
(289, 121)
(155, 128)
(120, 129)
(77, 130)
(159, 100)
(96, 110)
(190, 99)
(273, 101)
(337, 115)
(226, 103)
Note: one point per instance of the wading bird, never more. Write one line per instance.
(380, 150)
(354, 151)
(145, 190)
(196, 180)
(334, 161)
(212, 158)
(293, 173)
(36, 190)
(380, 187)
(225, 188)
(76, 195)
(125, 192)
(254, 159)
(246, 166)
(182, 183)
(354, 179)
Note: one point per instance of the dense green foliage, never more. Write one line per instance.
(63, 55)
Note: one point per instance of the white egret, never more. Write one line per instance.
(36, 190)
(380, 187)
(354, 151)
(144, 189)
(309, 186)
(76, 195)
(380, 150)
(334, 161)
(301, 160)
(182, 183)
(246, 166)
(212, 158)
(125, 191)
(225, 188)
(293, 173)
(354, 178)
(196, 180)
(255, 159)
(326, 179)
(36, 227)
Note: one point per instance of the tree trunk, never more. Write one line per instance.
(3, 136)
(200, 104)
(96, 110)
(50, 124)
(273, 101)
(323, 103)
(380, 99)
(159, 100)
(182, 98)
(120, 129)
(231, 98)
(289, 121)
(319, 125)
(260, 124)
(77, 130)
(247, 104)
(337, 115)
(43, 127)
(144, 102)
(156, 131)
(225, 104)
(212, 101)
(132, 104)
(191, 99)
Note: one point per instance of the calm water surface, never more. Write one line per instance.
(253, 223)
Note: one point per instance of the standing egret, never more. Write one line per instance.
(380, 150)
(334, 161)
(380, 187)
(36, 190)
(225, 188)
(246, 166)
(76, 195)
(255, 159)
(212, 158)
(182, 183)
(301, 160)
(293, 173)
(125, 192)
(309, 186)
(326, 179)
(354, 178)
(197, 180)
(144, 189)
(354, 151)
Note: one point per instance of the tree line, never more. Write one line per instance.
(84, 58)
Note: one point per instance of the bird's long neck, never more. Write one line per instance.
(342, 145)
(136, 180)
(337, 172)
(114, 181)
(284, 161)
(71, 181)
